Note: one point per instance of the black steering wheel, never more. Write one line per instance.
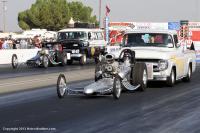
(128, 52)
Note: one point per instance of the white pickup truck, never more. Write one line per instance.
(165, 58)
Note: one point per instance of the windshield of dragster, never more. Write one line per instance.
(72, 35)
(146, 40)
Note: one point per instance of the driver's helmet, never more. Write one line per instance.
(109, 58)
(126, 57)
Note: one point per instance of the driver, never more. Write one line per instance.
(127, 59)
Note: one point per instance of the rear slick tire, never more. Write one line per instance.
(139, 76)
(45, 61)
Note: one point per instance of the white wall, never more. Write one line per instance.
(22, 54)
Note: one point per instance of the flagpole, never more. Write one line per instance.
(99, 13)
(4, 15)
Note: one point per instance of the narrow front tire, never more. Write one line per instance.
(61, 86)
(117, 87)
(14, 61)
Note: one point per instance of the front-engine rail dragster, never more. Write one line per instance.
(111, 77)
(50, 55)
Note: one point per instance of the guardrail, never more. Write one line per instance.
(22, 55)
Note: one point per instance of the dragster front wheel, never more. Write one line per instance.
(117, 87)
(14, 61)
(61, 86)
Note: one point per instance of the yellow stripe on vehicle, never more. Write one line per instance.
(92, 51)
(179, 64)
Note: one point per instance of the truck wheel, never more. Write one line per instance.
(14, 61)
(64, 59)
(45, 61)
(117, 87)
(171, 79)
(189, 74)
(139, 76)
(83, 59)
(61, 86)
(69, 62)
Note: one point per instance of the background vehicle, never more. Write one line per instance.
(111, 77)
(166, 58)
(82, 43)
(51, 54)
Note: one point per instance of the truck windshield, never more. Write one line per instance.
(146, 40)
(72, 35)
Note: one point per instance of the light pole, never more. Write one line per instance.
(4, 15)
(197, 10)
(99, 13)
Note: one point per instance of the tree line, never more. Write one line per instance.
(54, 14)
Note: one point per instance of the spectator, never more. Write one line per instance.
(5, 44)
(37, 42)
(1, 42)
(23, 44)
(10, 43)
(30, 42)
(14, 44)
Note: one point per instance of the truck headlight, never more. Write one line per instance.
(162, 65)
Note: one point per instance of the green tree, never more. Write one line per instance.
(47, 14)
(82, 13)
(54, 14)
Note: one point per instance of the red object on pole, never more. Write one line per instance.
(107, 10)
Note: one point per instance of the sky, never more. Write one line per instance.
(121, 10)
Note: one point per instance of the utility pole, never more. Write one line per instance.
(4, 15)
(197, 10)
(99, 13)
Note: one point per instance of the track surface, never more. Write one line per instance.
(6, 71)
(159, 109)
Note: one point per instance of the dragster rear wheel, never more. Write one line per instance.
(61, 86)
(139, 76)
(45, 61)
(63, 59)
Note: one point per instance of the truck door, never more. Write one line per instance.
(180, 58)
